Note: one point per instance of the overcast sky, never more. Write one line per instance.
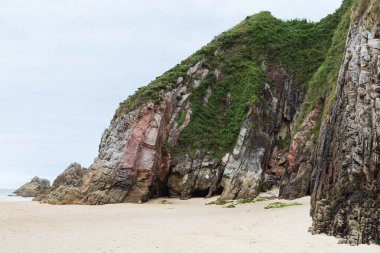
(66, 65)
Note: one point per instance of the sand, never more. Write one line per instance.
(184, 226)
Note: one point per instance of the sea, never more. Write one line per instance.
(7, 195)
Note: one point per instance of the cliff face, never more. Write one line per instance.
(346, 196)
(266, 105)
(211, 124)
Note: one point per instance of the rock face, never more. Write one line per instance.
(199, 177)
(138, 159)
(33, 188)
(285, 107)
(65, 188)
(243, 172)
(250, 168)
(346, 197)
(296, 182)
(132, 165)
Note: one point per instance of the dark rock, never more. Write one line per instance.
(296, 182)
(199, 177)
(346, 196)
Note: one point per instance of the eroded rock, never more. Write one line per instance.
(33, 188)
(296, 182)
(346, 196)
(199, 177)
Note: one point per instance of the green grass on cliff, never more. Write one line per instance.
(215, 126)
(290, 45)
(320, 90)
(297, 46)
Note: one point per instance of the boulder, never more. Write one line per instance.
(33, 188)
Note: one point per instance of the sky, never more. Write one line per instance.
(66, 65)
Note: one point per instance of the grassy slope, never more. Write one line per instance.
(298, 46)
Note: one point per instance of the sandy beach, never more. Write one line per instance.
(183, 226)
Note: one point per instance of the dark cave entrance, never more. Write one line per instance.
(205, 193)
(200, 193)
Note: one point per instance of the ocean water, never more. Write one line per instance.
(7, 195)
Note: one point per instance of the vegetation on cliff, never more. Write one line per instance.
(345, 197)
(297, 46)
(320, 89)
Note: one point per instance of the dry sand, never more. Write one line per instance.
(184, 226)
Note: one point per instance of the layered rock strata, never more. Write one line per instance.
(253, 166)
(134, 163)
(297, 180)
(346, 196)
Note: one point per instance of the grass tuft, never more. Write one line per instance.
(230, 206)
(217, 202)
(166, 202)
(281, 205)
(236, 202)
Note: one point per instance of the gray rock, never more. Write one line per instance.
(346, 195)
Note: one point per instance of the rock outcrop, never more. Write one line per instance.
(199, 177)
(346, 196)
(132, 165)
(249, 105)
(33, 188)
(65, 188)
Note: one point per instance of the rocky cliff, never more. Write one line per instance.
(346, 196)
(211, 124)
(266, 105)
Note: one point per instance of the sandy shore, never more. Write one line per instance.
(184, 226)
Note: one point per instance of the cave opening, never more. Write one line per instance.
(200, 193)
